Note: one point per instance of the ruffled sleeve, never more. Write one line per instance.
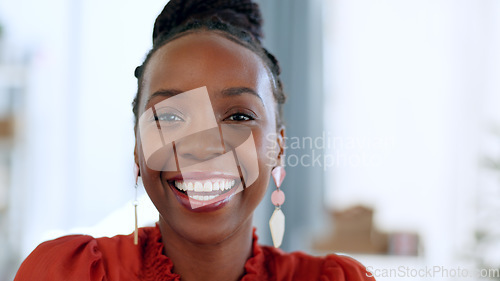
(338, 267)
(74, 257)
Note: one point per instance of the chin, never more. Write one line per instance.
(204, 230)
(210, 226)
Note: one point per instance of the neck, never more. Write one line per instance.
(221, 261)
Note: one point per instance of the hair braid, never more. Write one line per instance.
(243, 14)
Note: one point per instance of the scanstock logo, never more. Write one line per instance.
(180, 134)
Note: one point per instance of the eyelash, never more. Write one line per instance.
(161, 117)
(248, 117)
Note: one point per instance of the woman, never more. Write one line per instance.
(209, 96)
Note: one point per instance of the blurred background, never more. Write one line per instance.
(393, 127)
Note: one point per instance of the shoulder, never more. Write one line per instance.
(301, 266)
(83, 257)
(65, 258)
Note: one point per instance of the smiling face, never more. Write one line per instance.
(212, 99)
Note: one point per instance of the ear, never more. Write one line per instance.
(136, 157)
(280, 139)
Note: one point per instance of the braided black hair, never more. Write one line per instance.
(237, 20)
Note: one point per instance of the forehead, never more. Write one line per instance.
(205, 59)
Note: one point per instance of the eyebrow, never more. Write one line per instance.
(164, 93)
(237, 91)
(234, 91)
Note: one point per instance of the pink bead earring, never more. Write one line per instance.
(277, 221)
(136, 231)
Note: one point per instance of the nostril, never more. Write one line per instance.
(198, 155)
(200, 146)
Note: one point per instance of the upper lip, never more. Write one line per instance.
(202, 175)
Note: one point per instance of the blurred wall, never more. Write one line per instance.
(411, 95)
(75, 146)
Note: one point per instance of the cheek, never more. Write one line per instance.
(148, 175)
(268, 145)
(267, 150)
(157, 155)
(256, 158)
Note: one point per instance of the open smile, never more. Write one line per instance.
(202, 192)
(205, 190)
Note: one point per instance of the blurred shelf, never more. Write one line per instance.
(7, 128)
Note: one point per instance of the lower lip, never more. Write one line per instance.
(204, 206)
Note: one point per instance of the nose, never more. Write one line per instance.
(199, 147)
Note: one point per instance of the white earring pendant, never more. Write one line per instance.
(277, 226)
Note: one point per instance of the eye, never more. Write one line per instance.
(240, 117)
(167, 117)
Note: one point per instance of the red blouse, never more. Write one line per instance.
(81, 257)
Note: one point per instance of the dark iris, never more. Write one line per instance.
(240, 117)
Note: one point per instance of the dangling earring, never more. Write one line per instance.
(136, 232)
(277, 221)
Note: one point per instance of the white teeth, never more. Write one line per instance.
(203, 197)
(180, 185)
(205, 186)
(198, 186)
